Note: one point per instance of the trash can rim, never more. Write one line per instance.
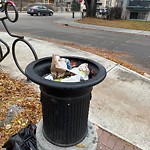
(33, 76)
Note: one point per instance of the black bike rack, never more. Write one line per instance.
(2, 56)
(19, 38)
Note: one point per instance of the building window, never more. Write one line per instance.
(46, 1)
(107, 3)
(142, 16)
(138, 15)
(133, 15)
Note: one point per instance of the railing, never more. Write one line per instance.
(140, 3)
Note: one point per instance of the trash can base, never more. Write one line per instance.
(89, 143)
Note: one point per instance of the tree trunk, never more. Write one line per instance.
(90, 8)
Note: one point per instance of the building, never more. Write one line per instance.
(131, 9)
(59, 4)
(47, 1)
(106, 3)
(138, 9)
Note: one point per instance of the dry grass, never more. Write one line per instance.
(128, 24)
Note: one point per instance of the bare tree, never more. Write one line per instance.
(90, 8)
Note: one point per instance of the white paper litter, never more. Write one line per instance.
(75, 78)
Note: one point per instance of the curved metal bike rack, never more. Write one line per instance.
(19, 38)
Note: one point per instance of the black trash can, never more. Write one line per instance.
(65, 106)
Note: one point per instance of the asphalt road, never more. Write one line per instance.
(135, 46)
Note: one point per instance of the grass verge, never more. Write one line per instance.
(127, 24)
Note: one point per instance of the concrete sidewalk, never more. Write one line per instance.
(69, 21)
(119, 105)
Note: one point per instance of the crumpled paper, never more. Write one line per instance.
(58, 67)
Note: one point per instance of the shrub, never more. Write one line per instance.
(75, 6)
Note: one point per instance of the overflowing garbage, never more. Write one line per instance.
(62, 70)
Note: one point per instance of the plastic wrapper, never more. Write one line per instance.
(48, 77)
(23, 140)
(82, 71)
(75, 78)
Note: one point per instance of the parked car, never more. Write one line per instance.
(39, 11)
(102, 13)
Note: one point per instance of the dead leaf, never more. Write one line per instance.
(80, 145)
(8, 126)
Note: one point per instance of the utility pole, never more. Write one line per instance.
(20, 5)
(61, 5)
